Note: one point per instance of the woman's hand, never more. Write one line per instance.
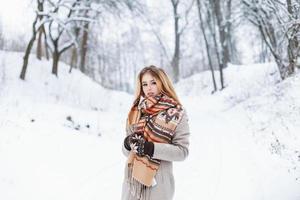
(137, 143)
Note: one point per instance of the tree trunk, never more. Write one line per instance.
(231, 44)
(224, 47)
(213, 26)
(175, 59)
(293, 43)
(84, 46)
(55, 58)
(73, 59)
(46, 45)
(39, 44)
(227, 33)
(268, 36)
(74, 56)
(207, 45)
(40, 31)
(292, 54)
(28, 50)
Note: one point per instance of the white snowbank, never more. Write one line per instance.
(61, 138)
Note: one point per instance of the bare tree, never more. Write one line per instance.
(114, 62)
(216, 25)
(201, 23)
(56, 30)
(82, 30)
(28, 49)
(221, 23)
(74, 53)
(60, 19)
(178, 32)
(41, 33)
(278, 23)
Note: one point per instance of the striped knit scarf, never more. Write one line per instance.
(156, 118)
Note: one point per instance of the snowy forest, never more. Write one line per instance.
(68, 71)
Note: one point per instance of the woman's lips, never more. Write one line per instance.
(150, 94)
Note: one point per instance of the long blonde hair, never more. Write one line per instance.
(165, 86)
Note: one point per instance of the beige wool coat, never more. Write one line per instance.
(178, 150)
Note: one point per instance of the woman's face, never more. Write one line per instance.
(150, 85)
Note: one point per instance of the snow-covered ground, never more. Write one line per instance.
(61, 138)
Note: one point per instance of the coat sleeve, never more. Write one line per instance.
(128, 132)
(179, 149)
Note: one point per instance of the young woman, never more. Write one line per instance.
(157, 134)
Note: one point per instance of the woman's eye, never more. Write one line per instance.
(144, 85)
(153, 83)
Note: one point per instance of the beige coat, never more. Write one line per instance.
(167, 153)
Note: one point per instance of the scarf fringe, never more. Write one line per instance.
(138, 190)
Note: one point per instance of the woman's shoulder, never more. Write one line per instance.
(183, 123)
(182, 109)
(184, 114)
(179, 114)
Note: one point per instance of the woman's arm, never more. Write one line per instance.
(178, 150)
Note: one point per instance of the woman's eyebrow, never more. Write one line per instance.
(146, 81)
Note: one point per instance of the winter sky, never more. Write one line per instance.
(15, 16)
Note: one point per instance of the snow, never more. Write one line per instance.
(61, 137)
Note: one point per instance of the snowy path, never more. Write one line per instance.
(59, 163)
(221, 156)
(224, 163)
(43, 157)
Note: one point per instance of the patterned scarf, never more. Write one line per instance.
(156, 118)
